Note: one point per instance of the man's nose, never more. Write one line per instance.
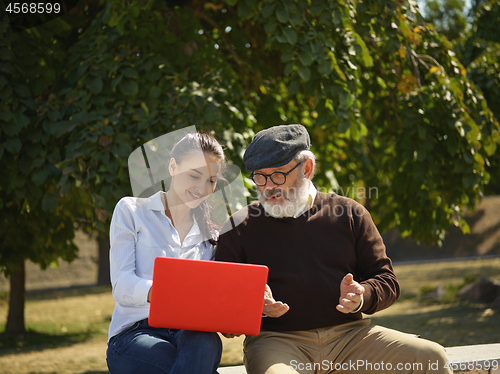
(269, 183)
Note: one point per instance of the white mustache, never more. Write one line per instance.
(275, 192)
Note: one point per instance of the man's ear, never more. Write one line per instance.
(172, 166)
(308, 168)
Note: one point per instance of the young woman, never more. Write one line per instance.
(172, 224)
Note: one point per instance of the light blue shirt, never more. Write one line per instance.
(140, 231)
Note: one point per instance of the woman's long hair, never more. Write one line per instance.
(183, 149)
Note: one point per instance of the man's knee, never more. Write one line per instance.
(433, 356)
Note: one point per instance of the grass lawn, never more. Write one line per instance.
(68, 329)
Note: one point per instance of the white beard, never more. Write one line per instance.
(292, 202)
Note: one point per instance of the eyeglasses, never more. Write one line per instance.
(277, 177)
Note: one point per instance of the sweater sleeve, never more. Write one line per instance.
(374, 268)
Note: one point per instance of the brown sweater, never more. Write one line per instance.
(308, 256)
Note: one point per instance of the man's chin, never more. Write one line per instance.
(276, 210)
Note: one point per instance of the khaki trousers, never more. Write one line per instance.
(354, 347)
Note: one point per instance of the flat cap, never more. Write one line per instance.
(276, 146)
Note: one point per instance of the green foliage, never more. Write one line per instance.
(387, 103)
(37, 217)
(479, 51)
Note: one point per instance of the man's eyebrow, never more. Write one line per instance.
(199, 172)
(280, 169)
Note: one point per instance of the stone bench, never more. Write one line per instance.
(471, 357)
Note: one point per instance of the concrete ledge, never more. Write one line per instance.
(474, 358)
(469, 359)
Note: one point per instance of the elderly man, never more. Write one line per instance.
(327, 265)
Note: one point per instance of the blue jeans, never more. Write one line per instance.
(145, 349)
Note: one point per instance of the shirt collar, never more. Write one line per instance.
(312, 191)
(155, 202)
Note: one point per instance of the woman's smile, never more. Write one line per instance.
(195, 196)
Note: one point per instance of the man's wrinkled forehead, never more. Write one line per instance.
(283, 168)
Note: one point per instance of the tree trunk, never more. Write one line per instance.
(15, 318)
(103, 278)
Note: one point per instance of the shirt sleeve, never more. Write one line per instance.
(374, 268)
(128, 288)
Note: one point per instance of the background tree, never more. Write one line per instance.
(448, 16)
(479, 51)
(387, 103)
(38, 216)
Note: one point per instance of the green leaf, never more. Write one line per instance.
(304, 72)
(270, 27)
(232, 2)
(344, 125)
(212, 113)
(282, 38)
(13, 145)
(129, 87)
(134, 10)
(129, 72)
(287, 56)
(268, 10)
(21, 90)
(291, 35)
(154, 92)
(289, 67)
(294, 87)
(336, 67)
(145, 108)
(6, 54)
(3, 81)
(6, 116)
(95, 85)
(306, 58)
(363, 50)
(39, 177)
(316, 6)
(244, 11)
(116, 81)
(295, 19)
(325, 67)
(282, 15)
(82, 69)
(170, 38)
(11, 128)
(49, 203)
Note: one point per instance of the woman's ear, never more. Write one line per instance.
(172, 166)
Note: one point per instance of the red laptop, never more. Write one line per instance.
(207, 296)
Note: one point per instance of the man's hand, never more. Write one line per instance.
(273, 308)
(350, 294)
